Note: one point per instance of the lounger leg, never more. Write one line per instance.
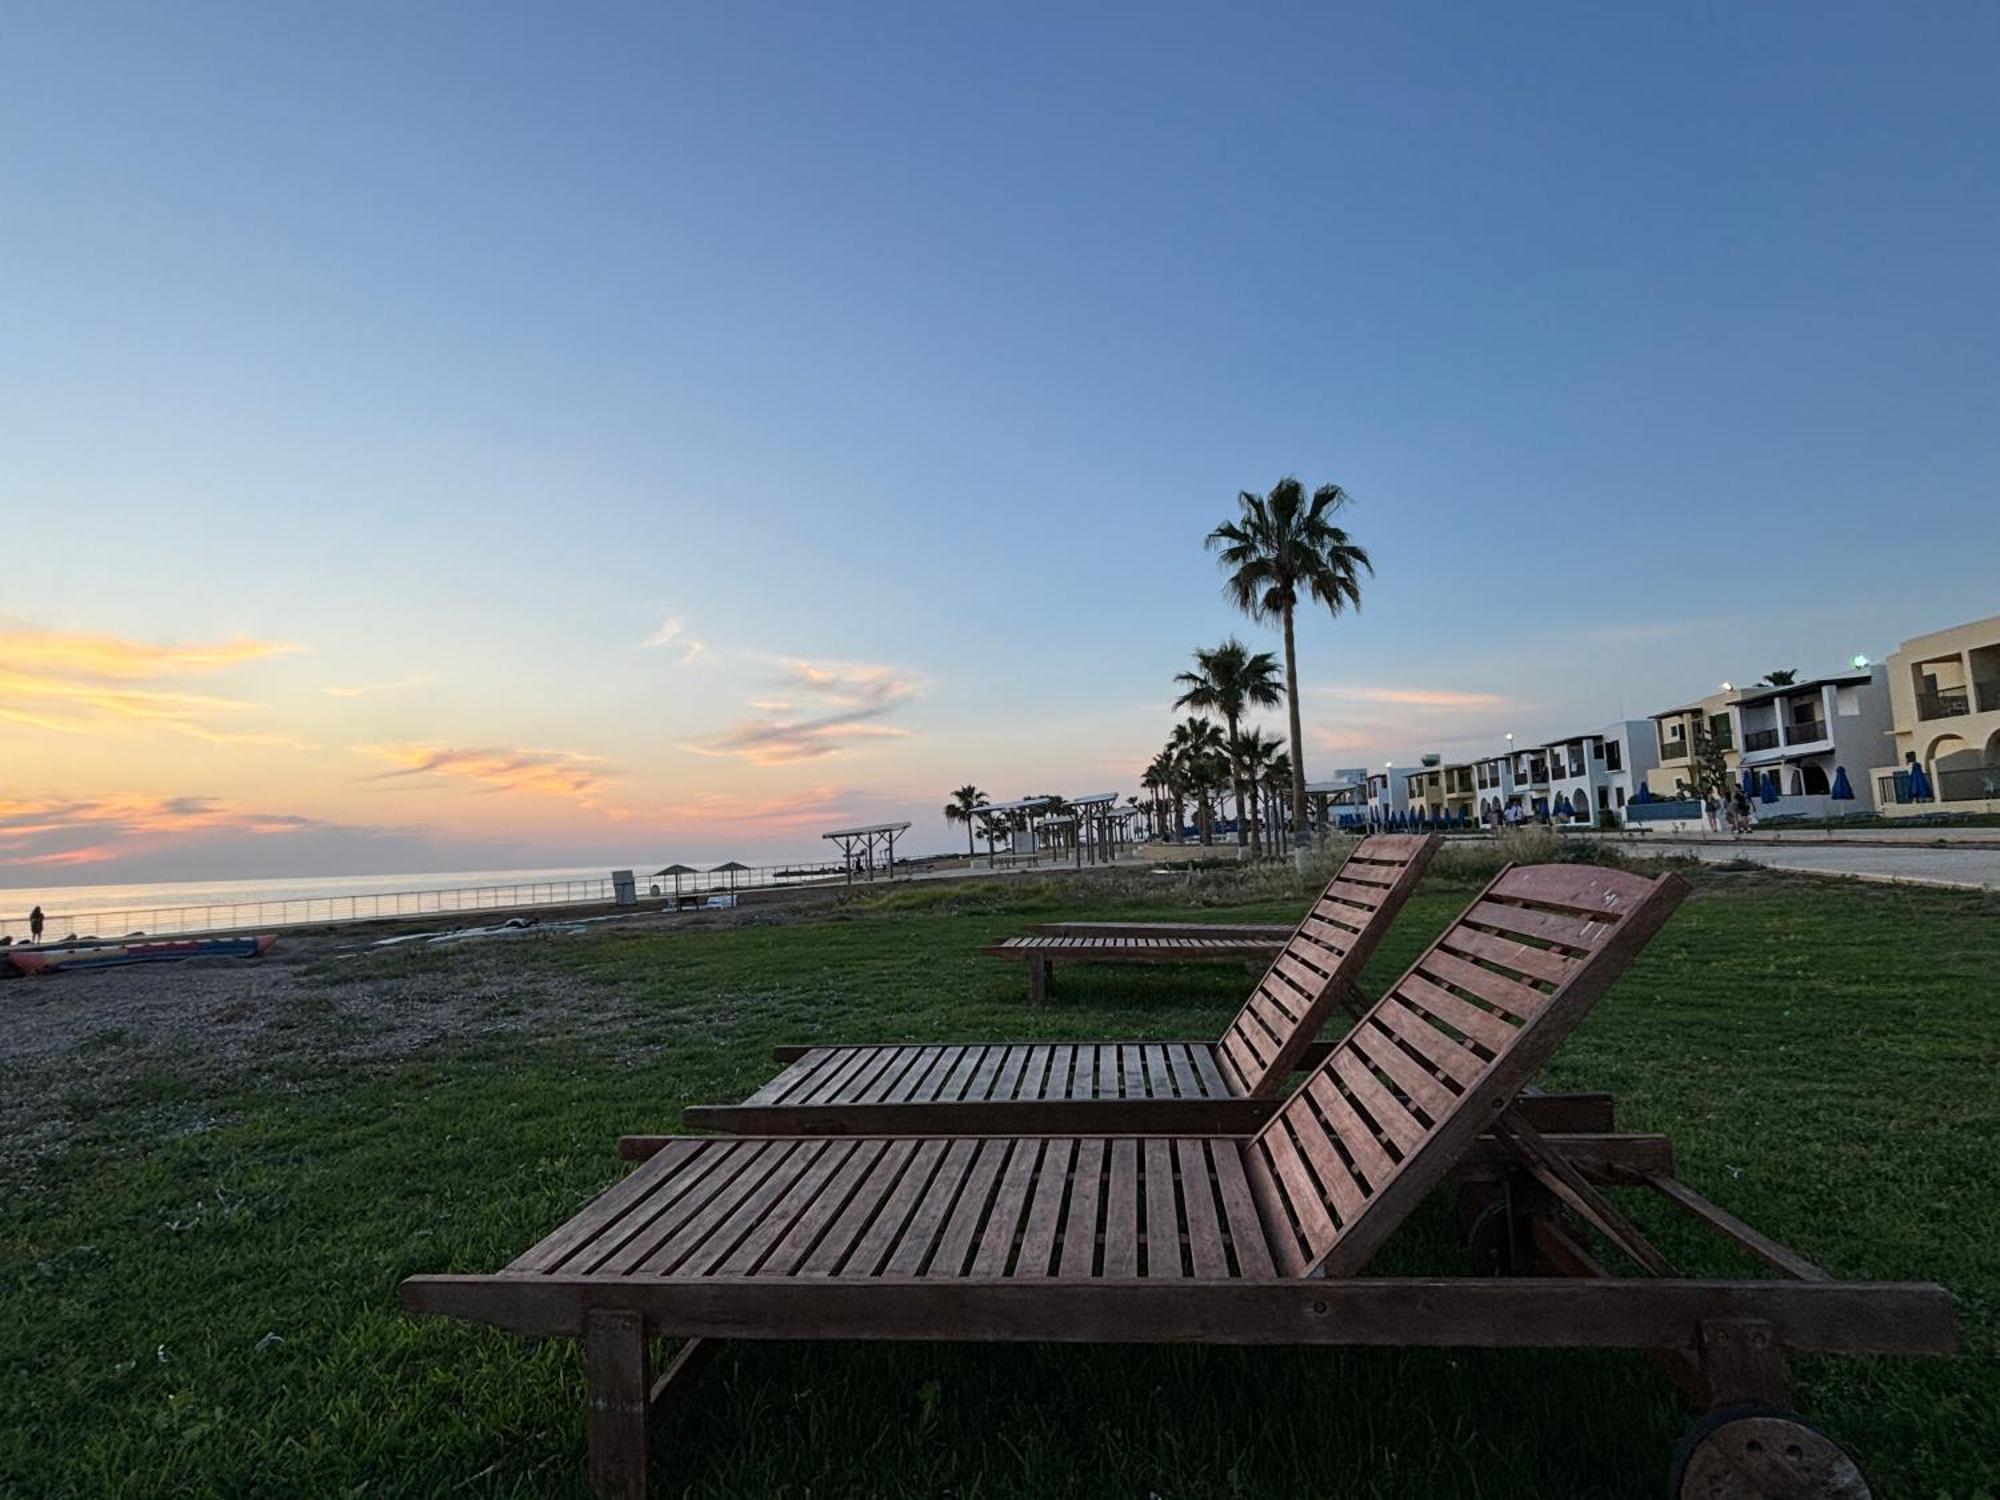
(614, 1364)
(1742, 1360)
(1038, 981)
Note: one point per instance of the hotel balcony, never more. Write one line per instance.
(1760, 739)
(1805, 732)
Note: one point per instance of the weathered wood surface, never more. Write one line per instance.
(1269, 932)
(857, 1089)
(1465, 1312)
(1134, 950)
(1389, 1114)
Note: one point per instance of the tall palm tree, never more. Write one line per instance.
(1782, 677)
(1157, 778)
(963, 807)
(1282, 547)
(1202, 765)
(1231, 679)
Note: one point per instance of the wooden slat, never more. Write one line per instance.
(886, 1226)
(840, 1236)
(804, 1236)
(969, 1212)
(1079, 1235)
(657, 1176)
(1239, 1207)
(817, 1182)
(1517, 999)
(1121, 1211)
(1206, 1252)
(913, 1248)
(1045, 1215)
(996, 1240)
(1163, 1211)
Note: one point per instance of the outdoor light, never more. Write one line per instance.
(1859, 662)
(1728, 687)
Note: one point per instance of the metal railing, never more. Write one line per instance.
(1945, 703)
(1805, 731)
(1972, 784)
(1760, 739)
(317, 911)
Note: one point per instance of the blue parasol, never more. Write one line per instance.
(1768, 792)
(1842, 792)
(1749, 782)
(1920, 782)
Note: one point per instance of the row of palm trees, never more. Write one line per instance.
(1282, 550)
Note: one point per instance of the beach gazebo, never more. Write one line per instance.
(858, 846)
(732, 868)
(676, 871)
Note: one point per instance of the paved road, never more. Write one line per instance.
(1975, 867)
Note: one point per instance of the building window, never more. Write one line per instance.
(1614, 759)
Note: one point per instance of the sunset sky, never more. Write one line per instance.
(460, 437)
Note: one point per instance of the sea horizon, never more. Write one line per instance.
(83, 900)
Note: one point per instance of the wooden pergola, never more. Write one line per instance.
(858, 846)
(1031, 809)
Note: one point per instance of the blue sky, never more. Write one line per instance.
(459, 348)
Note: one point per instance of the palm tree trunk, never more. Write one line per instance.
(968, 835)
(1298, 748)
(1236, 782)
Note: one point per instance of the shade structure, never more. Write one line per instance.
(1842, 791)
(732, 868)
(1644, 794)
(1920, 783)
(1768, 792)
(676, 871)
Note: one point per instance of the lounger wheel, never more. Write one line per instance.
(1496, 1243)
(1750, 1451)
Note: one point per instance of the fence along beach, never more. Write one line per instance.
(178, 907)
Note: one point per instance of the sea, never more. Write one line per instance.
(81, 900)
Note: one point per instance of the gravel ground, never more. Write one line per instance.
(317, 998)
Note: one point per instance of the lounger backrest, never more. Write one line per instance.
(1323, 957)
(1403, 1096)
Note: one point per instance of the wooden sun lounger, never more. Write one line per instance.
(1274, 933)
(1370, 882)
(1180, 1238)
(1228, 1086)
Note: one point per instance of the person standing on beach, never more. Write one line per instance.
(1714, 813)
(35, 925)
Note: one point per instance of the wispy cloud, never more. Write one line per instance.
(369, 689)
(110, 656)
(1415, 697)
(544, 773)
(848, 701)
(672, 635)
(72, 683)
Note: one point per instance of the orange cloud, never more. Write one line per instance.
(80, 684)
(545, 773)
(116, 657)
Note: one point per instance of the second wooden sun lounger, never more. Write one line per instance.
(1190, 942)
(1231, 1085)
(1206, 1239)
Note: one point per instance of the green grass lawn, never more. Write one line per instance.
(197, 1291)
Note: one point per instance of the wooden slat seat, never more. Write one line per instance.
(859, 1208)
(1118, 1238)
(1230, 1085)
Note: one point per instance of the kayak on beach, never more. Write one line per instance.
(51, 958)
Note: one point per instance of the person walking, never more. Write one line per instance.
(1714, 813)
(1739, 814)
(35, 925)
